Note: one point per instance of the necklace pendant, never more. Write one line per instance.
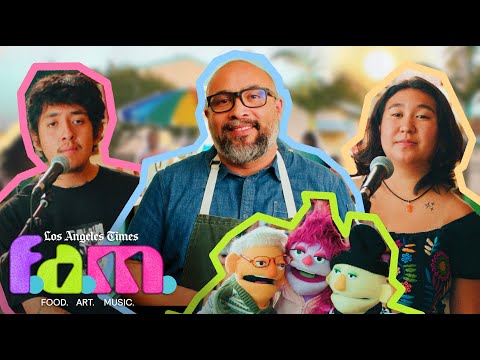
(409, 208)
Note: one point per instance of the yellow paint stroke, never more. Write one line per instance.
(370, 99)
(343, 227)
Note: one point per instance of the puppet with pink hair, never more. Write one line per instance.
(311, 246)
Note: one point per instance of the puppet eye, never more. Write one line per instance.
(319, 259)
(281, 266)
(260, 263)
(336, 270)
(296, 253)
(352, 276)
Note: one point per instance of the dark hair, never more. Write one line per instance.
(65, 87)
(449, 149)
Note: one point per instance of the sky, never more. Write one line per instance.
(368, 63)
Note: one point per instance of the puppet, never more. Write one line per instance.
(359, 276)
(311, 247)
(256, 263)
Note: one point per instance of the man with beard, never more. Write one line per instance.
(190, 205)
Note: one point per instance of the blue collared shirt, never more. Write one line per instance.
(171, 203)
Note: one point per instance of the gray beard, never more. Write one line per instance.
(241, 154)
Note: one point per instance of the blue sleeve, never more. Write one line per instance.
(344, 200)
(148, 221)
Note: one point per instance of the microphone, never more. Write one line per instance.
(381, 168)
(58, 165)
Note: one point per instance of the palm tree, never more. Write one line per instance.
(464, 74)
(313, 93)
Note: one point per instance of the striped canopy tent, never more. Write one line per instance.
(174, 108)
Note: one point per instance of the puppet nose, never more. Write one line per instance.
(307, 260)
(340, 283)
(271, 270)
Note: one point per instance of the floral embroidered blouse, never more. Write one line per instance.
(428, 261)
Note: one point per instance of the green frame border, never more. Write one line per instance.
(343, 227)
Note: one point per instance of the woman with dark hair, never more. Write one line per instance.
(438, 234)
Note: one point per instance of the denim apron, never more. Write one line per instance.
(209, 230)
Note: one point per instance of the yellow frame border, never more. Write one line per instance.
(457, 108)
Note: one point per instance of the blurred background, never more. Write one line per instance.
(155, 92)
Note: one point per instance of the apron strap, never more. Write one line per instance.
(284, 180)
(286, 187)
(210, 188)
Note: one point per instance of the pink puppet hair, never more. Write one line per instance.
(318, 228)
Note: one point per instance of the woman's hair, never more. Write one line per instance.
(449, 148)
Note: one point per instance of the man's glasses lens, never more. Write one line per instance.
(251, 98)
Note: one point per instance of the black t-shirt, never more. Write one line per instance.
(90, 208)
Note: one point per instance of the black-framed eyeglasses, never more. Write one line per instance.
(251, 98)
(264, 261)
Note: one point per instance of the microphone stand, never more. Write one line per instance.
(35, 218)
(366, 202)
